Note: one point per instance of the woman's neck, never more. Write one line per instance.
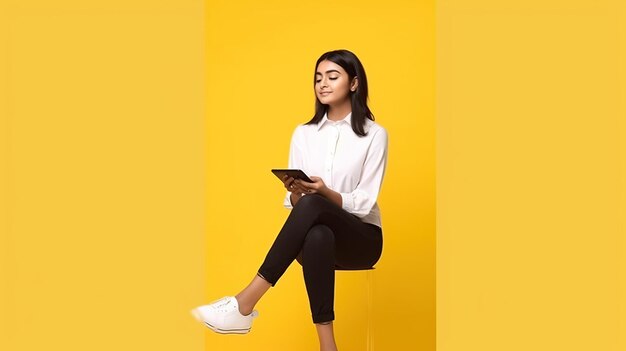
(337, 113)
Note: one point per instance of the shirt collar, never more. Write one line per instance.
(325, 120)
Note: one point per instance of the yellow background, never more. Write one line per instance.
(531, 175)
(114, 116)
(102, 175)
(261, 64)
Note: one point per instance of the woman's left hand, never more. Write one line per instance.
(317, 187)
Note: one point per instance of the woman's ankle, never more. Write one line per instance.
(332, 347)
(326, 336)
(244, 308)
(250, 296)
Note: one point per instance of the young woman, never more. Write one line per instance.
(335, 220)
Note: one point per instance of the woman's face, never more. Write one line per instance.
(331, 83)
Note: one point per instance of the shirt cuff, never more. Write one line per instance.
(347, 202)
(287, 201)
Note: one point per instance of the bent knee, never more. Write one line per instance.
(319, 236)
(311, 201)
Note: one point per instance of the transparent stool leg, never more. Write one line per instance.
(370, 317)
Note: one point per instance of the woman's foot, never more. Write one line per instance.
(223, 316)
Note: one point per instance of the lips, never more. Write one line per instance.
(325, 93)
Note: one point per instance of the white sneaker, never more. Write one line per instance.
(223, 316)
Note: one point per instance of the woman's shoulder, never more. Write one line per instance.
(304, 128)
(374, 127)
(301, 131)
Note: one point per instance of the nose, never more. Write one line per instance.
(323, 83)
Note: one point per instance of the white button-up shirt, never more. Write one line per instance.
(351, 165)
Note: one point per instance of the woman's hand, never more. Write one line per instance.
(299, 187)
(317, 187)
(292, 186)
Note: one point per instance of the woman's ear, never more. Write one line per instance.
(355, 83)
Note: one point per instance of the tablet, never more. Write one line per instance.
(294, 173)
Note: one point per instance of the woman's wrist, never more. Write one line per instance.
(294, 198)
(331, 195)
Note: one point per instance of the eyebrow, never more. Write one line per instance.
(330, 70)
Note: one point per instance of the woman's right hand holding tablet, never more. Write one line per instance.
(291, 185)
(296, 189)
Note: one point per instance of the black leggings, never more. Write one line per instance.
(322, 237)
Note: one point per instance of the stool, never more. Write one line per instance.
(370, 294)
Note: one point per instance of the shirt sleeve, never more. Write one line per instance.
(295, 161)
(361, 200)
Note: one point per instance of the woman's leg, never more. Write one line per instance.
(358, 245)
(278, 258)
(326, 336)
(316, 221)
(286, 246)
(249, 296)
(318, 267)
(314, 225)
(341, 241)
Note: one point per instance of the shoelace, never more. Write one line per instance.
(221, 303)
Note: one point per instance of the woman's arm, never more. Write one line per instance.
(361, 200)
(317, 187)
(294, 198)
(331, 195)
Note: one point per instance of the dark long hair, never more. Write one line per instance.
(352, 65)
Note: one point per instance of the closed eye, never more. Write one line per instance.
(319, 80)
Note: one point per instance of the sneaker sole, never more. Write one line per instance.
(197, 316)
